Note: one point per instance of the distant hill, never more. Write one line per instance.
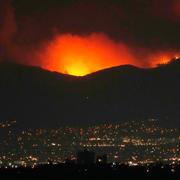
(39, 98)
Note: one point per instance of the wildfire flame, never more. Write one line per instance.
(80, 55)
(163, 59)
(76, 55)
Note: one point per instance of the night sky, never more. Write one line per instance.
(139, 32)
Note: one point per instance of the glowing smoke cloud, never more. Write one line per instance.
(80, 55)
(8, 27)
(73, 54)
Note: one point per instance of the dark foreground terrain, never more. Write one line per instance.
(39, 98)
(72, 171)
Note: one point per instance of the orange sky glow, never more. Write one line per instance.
(82, 55)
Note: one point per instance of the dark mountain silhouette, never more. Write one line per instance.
(39, 98)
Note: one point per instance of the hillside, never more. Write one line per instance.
(39, 98)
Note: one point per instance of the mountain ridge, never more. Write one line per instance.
(37, 97)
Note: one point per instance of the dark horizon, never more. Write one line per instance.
(110, 95)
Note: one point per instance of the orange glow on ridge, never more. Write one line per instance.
(78, 55)
(81, 55)
(162, 58)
